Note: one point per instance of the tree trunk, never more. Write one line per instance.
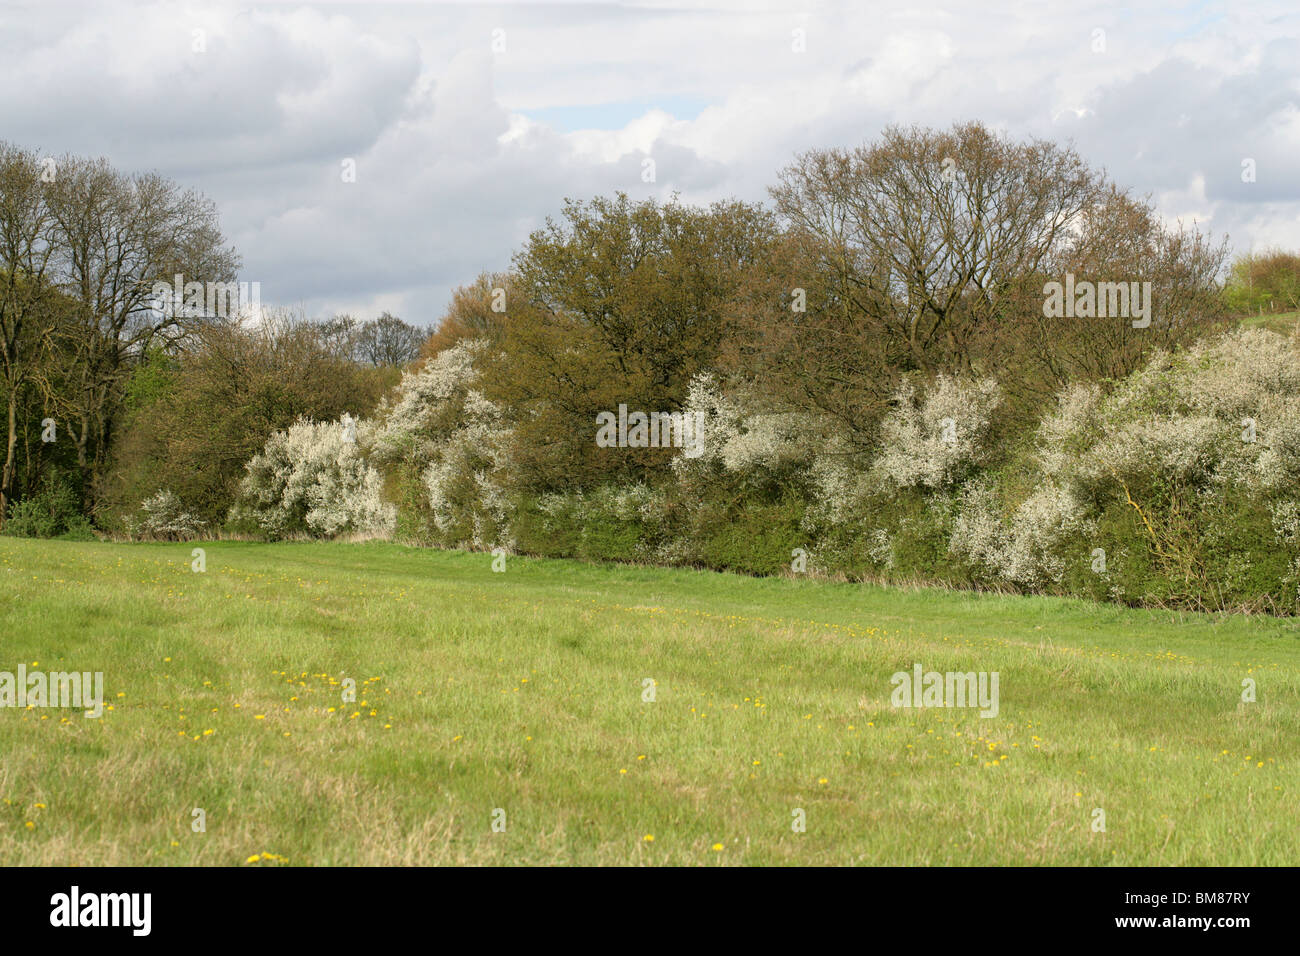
(7, 479)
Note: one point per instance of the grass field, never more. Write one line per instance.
(523, 691)
(1284, 322)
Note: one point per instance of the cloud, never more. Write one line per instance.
(469, 125)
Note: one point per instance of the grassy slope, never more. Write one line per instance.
(523, 691)
(1283, 322)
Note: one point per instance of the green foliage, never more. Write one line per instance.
(195, 420)
(152, 379)
(54, 511)
(621, 303)
(887, 420)
(755, 538)
(1225, 556)
(1263, 282)
(553, 531)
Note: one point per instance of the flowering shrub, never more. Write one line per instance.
(736, 437)
(1221, 412)
(1177, 485)
(427, 406)
(1024, 549)
(468, 504)
(313, 479)
(165, 519)
(451, 450)
(935, 441)
(1184, 474)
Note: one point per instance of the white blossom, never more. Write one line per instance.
(934, 441)
(312, 479)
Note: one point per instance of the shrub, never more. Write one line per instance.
(52, 512)
(937, 440)
(314, 480)
(756, 538)
(165, 519)
(448, 449)
(1184, 475)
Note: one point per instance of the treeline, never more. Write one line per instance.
(865, 373)
(110, 392)
(924, 254)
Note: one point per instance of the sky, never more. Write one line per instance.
(466, 125)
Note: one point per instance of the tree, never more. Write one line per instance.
(1120, 238)
(621, 303)
(203, 414)
(115, 236)
(29, 304)
(929, 250)
(339, 336)
(1264, 281)
(388, 340)
(477, 310)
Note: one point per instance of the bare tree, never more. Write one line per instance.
(929, 250)
(28, 307)
(339, 336)
(931, 231)
(116, 236)
(388, 340)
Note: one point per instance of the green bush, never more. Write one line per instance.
(1224, 555)
(53, 512)
(548, 532)
(78, 528)
(755, 537)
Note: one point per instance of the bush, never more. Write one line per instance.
(446, 447)
(936, 441)
(1175, 487)
(55, 511)
(756, 538)
(313, 480)
(165, 519)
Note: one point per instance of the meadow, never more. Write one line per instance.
(567, 713)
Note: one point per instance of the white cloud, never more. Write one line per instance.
(452, 173)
